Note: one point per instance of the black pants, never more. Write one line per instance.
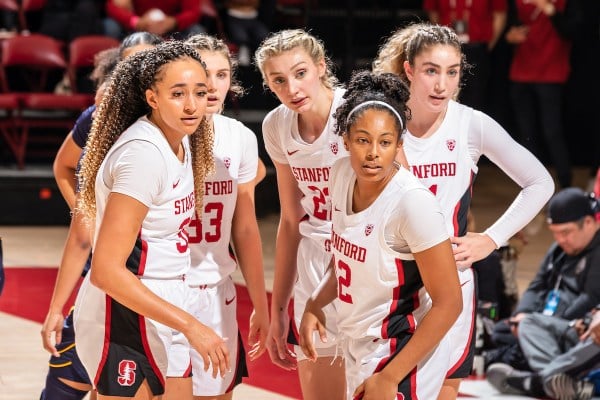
(538, 111)
(475, 82)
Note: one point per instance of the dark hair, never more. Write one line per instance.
(365, 86)
(138, 38)
(105, 62)
(123, 103)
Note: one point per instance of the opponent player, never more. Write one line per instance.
(443, 144)
(390, 250)
(228, 215)
(137, 184)
(300, 139)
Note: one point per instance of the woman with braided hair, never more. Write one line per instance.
(393, 272)
(136, 179)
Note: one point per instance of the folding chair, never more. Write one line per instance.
(31, 59)
(82, 51)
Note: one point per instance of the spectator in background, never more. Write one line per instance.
(479, 24)
(66, 20)
(165, 18)
(244, 27)
(538, 73)
(567, 284)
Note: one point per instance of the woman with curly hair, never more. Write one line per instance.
(393, 272)
(148, 135)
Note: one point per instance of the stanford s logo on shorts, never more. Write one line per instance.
(127, 373)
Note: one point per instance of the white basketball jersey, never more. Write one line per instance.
(142, 165)
(236, 161)
(310, 163)
(380, 291)
(443, 164)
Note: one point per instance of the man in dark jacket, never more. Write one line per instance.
(567, 284)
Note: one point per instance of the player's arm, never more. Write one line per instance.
(65, 166)
(76, 251)
(438, 272)
(286, 249)
(247, 243)
(313, 318)
(261, 172)
(487, 137)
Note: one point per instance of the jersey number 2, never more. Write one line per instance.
(320, 202)
(344, 279)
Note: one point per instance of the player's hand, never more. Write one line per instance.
(376, 387)
(277, 346)
(52, 332)
(211, 348)
(313, 320)
(257, 335)
(471, 248)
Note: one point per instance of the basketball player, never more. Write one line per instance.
(300, 139)
(137, 185)
(66, 378)
(443, 144)
(228, 214)
(390, 248)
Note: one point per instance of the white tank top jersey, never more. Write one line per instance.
(310, 163)
(446, 163)
(444, 166)
(380, 291)
(142, 165)
(236, 161)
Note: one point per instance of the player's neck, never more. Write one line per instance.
(425, 123)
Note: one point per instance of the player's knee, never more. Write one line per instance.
(58, 390)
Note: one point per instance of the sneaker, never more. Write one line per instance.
(564, 387)
(508, 380)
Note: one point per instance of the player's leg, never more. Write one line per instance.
(325, 378)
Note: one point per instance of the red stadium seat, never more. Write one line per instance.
(29, 60)
(82, 51)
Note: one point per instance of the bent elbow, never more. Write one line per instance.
(98, 279)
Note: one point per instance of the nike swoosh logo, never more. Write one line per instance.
(176, 183)
(336, 209)
(464, 283)
(229, 301)
(292, 152)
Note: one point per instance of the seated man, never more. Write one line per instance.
(560, 352)
(568, 282)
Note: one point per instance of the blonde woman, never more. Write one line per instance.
(300, 138)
